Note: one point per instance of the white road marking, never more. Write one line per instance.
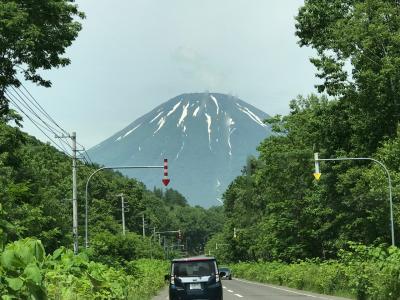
(282, 289)
(224, 287)
(240, 296)
(230, 291)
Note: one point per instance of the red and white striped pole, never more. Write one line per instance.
(165, 180)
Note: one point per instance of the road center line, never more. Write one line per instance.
(282, 289)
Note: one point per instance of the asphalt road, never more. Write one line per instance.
(237, 289)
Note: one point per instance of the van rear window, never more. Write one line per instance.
(194, 268)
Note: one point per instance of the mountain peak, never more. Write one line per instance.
(200, 133)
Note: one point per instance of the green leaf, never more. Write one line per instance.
(32, 272)
(57, 253)
(15, 283)
(38, 250)
(10, 261)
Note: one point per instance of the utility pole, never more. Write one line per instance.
(122, 212)
(165, 248)
(72, 136)
(74, 195)
(144, 230)
(151, 239)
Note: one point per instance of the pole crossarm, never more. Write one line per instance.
(87, 188)
(389, 183)
(169, 231)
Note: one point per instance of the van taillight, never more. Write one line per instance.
(216, 272)
(172, 279)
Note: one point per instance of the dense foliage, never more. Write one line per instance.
(358, 59)
(278, 209)
(27, 273)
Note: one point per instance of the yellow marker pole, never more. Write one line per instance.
(317, 173)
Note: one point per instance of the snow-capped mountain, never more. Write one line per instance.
(206, 137)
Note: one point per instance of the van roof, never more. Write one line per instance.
(195, 258)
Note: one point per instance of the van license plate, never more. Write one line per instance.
(195, 286)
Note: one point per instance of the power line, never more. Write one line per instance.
(34, 123)
(24, 99)
(43, 110)
(86, 153)
(46, 126)
(38, 126)
(23, 103)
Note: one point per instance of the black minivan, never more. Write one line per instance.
(195, 278)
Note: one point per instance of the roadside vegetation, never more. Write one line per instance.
(294, 230)
(360, 273)
(27, 273)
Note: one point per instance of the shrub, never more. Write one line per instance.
(26, 273)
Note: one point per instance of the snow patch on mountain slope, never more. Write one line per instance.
(128, 133)
(174, 109)
(156, 117)
(160, 124)
(180, 150)
(209, 121)
(196, 111)
(216, 103)
(229, 141)
(229, 124)
(184, 114)
(251, 115)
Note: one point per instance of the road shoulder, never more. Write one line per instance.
(292, 291)
(162, 294)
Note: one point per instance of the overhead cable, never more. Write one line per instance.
(10, 98)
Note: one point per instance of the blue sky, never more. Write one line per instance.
(132, 55)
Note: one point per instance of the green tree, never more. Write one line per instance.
(361, 37)
(34, 36)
